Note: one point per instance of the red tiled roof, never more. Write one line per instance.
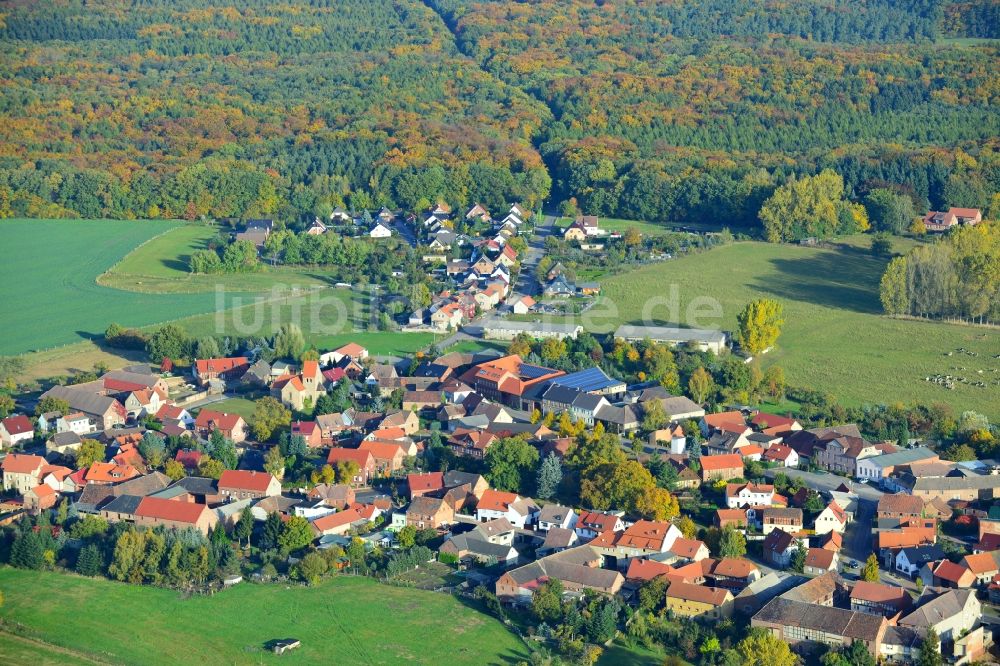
(173, 510)
(222, 420)
(245, 480)
(645, 534)
(734, 567)
(981, 563)
(189, 459)
(304, 428)
(16, 425)
(599, 522)
(949, 571)
(429, 481)
(334, 374)
(819, 558)
(880, 593)
(21, 463)
(221, 364)
(43, 490)
(388, 433)
(170, 412)
(121, 385)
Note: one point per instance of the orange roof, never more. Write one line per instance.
(906, 537)
(21, 463)
(340, 454)
(170, 412)
(352, 349)
(640, 569)
(43, 490)
(173, 510)
(724, 418)
(245, 480)
(381, 450)
(388, 433)
(310, 368)
(687, 548)
(751, 450)
(734, 567)
(731, 515)
(496, 500)
(981, 563)
(724, 461)
(604, 522)
(109, 472)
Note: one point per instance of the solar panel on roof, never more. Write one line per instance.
(533, 371)
(591, 379)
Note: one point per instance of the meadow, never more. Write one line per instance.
(835, 338)
(48, 287)
(344, 619)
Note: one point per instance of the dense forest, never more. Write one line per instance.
(687, 111)
(190, 107)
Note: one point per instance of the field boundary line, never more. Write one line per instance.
(52, 646)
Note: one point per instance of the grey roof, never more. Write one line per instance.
(93, 497)
(923, 554)
(588, 402)
(81, 399)
(475, 544)
(680, 404)
(146, 379)
(837, 621)
(902, 457)
(123, 504)
(554, 513)
(945, 605)
(769, 586)
(143, 485)
(532, 327)
(621, 415)
(198, 485)
(670, 334)
(558, 537)
(948, 483)
(453, 478)
(65, 438)
(564, 395)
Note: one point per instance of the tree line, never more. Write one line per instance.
(956, 277)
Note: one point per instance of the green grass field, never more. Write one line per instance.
(21, 650)
(343, 620)
(645, 228)
(160, 265)
(48, 288)
(242, 406)
(834, 338)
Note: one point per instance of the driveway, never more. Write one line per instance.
(527, 283)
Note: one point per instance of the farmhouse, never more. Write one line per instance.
(241, 484)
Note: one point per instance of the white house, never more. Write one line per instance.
(555, 515)
(950, 613)
(16, 429)
(832, 519)
(749, 494)
(380, 231)
(498, 504)
(77, 422)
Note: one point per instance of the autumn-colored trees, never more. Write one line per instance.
(956, 277)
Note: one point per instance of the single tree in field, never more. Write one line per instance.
(869, 571)
(760, 325)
